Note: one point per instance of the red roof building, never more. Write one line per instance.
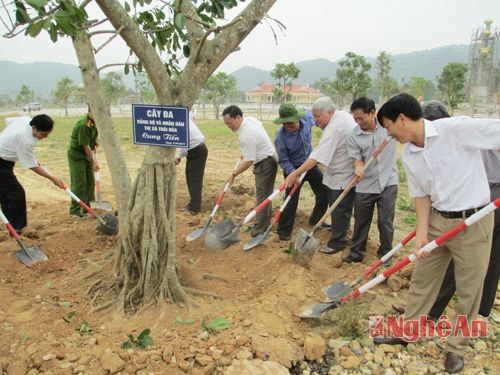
(300, 93)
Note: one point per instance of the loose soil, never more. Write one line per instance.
(257, 291)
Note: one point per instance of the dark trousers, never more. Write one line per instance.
(195, 169)
(82, 181)
(12, 196)
(341, 218)
(364, 205)
(287, 219)
(490, 281)
(265, 176)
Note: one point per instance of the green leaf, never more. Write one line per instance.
(186, 50)
(53, 33)
(180, 20)
(218, 324)
(22, 16)
(188, 321)
(70, 315)
(127, 7)
(37, 4)
(126, 345)
(48, 284)
(143, 334)
(65, 303)
(126, 69)
(178, 319)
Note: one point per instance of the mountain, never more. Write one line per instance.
(426, 63)
(40, 76)
(43, 76)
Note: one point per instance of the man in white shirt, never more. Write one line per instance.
(257, 150)
(17, 143)
(332, 153)
(447, 179)
(196, 159)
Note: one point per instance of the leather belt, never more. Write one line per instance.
(459, 214)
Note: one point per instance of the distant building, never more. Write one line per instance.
(301, 93)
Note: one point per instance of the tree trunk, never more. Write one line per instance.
(107, 135)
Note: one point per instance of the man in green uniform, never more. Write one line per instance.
(82, 163)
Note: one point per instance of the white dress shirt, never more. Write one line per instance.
(449, 167)
(332, 151)
(17, 142)
(196, 138)
(254, 141)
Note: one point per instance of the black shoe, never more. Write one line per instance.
(329, 250)
(284, 237)
(389, 341)
(453, 363)
(352, 259)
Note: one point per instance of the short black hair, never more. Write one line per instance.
(233, 111)
(363, 103)
(433, 110)
(400, 104)
(42, 123)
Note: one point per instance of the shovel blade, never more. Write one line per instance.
(316, 310)
(221, 235)
(256, 241)
(109, 225)
(101, 205)
(197, 233)
(304, 248)
(334, 292)
(24, 258)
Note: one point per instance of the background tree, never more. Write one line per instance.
(325, 85)
(284, 74)
(451, 84)
(386, 84)
(352, 78)
(220, 88)
(64, 91)
(113, 88)
(420, 87)
(144, 89)
(25, 94)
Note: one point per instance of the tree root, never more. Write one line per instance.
(211, 276)
(197, 292)
(104, 305)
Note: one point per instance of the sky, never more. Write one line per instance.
(314, 29)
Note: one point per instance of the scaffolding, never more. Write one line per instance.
(484, 64)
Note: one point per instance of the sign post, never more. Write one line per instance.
(156, 125)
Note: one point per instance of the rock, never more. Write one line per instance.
(432, 349)
(277, 350)
(112, 362)
(388, 348)
(203, 359)
(314, 347)
(243, 354)
(350, 362)
(141, 359)
(256, 367)
(407, 271)
(416, 368)
(337, 344)
(345, 351)
(48, 357)
(17, 368)
(80, 369)
(480, 345)
(242, 340)
(336, 261)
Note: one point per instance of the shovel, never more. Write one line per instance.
(226, 232)
(200, 231)
(28, 255)
(305, 245)
(108, 224)
(317, 310)
(257, 240)
(334, 292)
(100, 204)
